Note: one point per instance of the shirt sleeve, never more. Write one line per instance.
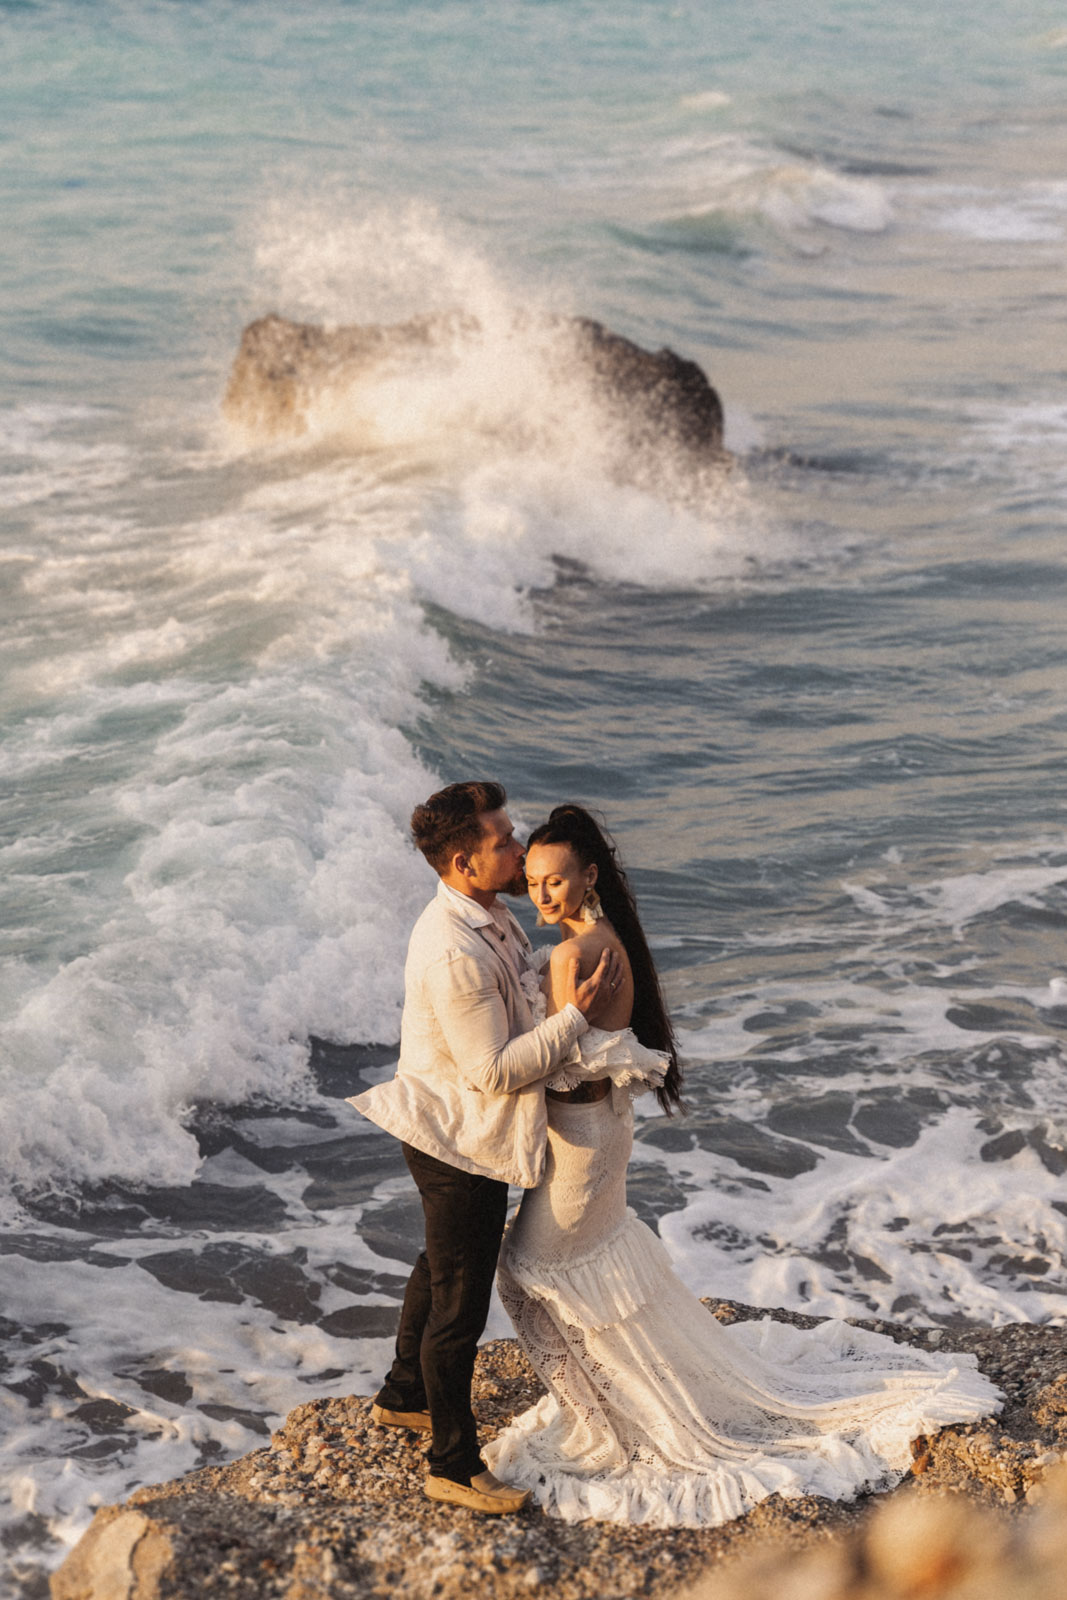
(471, 1013)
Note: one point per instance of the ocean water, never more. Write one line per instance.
(821, 698)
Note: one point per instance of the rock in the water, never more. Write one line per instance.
(665, 402)
(282, 366)
(546, 380)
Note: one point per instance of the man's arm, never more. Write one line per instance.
(473, 1017)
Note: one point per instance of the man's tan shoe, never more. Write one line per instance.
(400, 1419)
(486, 1493)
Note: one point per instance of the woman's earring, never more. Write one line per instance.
(591, 911)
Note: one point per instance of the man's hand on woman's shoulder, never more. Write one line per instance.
(592, 993)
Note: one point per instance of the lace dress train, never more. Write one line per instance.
(656, 1413)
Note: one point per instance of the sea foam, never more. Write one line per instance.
(927, 1231)
(238, 681)
(729, 176)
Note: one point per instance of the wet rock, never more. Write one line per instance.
(113, 1210)
(653, 404)
(892, 1118)
(749, 1145)
(361, 1322)
(333, 1509)
(342, 1173)
(233, 1272)
(823, 1120)
(165, 1384)
(1050, 1408)
(124, 1554)
(393, 1229)
(917, 1547)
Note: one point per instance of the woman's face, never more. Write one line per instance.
(557, 881)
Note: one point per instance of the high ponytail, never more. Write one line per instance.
(572, 825)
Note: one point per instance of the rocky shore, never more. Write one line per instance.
(333, 1510)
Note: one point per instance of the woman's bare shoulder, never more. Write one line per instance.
(586, 947)
(563, 952)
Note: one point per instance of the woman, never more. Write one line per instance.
(655, 1413)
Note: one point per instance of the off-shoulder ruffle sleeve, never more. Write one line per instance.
(530, 984)
(619, 1055)
(599, 1053)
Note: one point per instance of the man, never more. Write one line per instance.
(467, 1103)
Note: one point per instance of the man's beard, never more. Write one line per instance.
(516, 888)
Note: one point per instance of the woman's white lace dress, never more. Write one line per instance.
(655, 1412)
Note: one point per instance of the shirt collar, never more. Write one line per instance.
(500, 918)
(466, 905)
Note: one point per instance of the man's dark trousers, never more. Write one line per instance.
(446, 1305)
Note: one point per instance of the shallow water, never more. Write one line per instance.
(821, 700)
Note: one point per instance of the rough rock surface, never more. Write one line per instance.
(917, 1547)
(653, 404)
(333, 1509)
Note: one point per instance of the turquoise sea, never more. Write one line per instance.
(822, 702)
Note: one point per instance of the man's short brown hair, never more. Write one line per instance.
(450, 820)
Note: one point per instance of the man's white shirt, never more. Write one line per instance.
(469, 1083)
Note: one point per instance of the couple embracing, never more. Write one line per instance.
(521, 1067)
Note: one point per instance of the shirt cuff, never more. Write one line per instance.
(571, 1012)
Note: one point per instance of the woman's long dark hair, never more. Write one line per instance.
(574, 826)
